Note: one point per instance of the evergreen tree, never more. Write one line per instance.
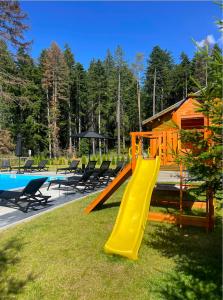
(55, 84)
(199, 69)
(80, 101)
(130, 116)
(204, 160)
(12, 23)
(137, 69)
(8, 83)
(30, 121)
(97, 96)
(158, 81)
(181, 78)
(111, 92)
(119, 63)
(67, 116)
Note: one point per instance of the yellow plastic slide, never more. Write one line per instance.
(129, 227)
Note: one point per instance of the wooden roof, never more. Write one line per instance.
(170, 108)
(163, 112)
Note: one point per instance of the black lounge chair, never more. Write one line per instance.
(104, 166)
(73, 181)
(90, 166)
(99, 178)
(29, 195)
(5, 165)
(41, 166)
(111, 173)
(72, 167)
(27, 166)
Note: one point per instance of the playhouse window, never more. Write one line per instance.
(192, 123)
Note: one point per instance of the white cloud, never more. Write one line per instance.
(209, 40)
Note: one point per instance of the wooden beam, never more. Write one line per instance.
(179, 220)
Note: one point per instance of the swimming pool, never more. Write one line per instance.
(13, 181)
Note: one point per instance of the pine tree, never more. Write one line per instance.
(204, 160)
(158, 81)
(97, 96)
(80, 101)
(130, 115)
(55, 84)
(137, 70)
(68, 117)
(182, 85)
(119, 63)
(8, 83)
(29, 122)
(111, 92)
(12, 23)
(199, 69)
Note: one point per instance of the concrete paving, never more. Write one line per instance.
(10, 216)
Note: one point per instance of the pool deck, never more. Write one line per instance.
(10, 216)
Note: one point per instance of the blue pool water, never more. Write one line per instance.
(13, 181)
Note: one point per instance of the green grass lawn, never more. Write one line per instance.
(59, 255)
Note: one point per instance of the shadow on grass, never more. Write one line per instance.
(10, 286)
(108, 205)
(198, 272)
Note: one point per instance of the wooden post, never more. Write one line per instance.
(210, 200)
(140, 146)
(181, 192)
(133, 150)
(164, 149)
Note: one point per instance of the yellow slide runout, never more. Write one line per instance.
(129, 227)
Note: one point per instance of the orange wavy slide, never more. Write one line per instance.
(129, 227)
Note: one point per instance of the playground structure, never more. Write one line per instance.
(134, 210)
(180, 218)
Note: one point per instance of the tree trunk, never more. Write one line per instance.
(48, 121)
(118, 113)
(99, 124)
(55, 136)
(123, 128)
(206, 74)
(92, 126)
(139, 105)
(69, 127)
(79, 131)
(162, 106)
(154, 93)
(79, 114)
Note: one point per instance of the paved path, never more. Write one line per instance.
(10, 216)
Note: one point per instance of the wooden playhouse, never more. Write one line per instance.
(165, 125)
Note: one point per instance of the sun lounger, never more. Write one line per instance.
(111, 173)
(27, 167)
(72, 167)
(104, 166)
(41, 166)
(90, 166)
(73, 181)
(28, 196)
(5, 165)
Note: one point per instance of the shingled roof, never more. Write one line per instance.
(163, 112)
(171, 108)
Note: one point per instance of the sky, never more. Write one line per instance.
(90, 28)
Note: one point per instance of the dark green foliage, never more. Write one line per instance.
(181, 78)
(161, 62)
(87, 99)
(204, 160)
